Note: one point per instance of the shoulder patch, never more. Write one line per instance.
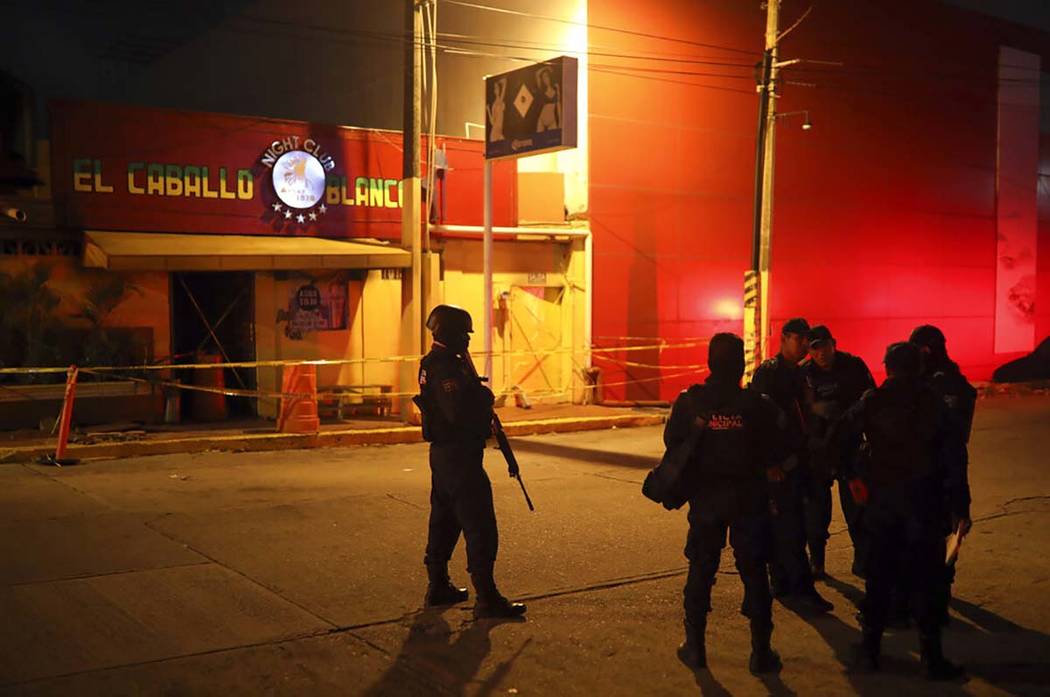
(422, 376)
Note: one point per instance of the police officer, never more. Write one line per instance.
(903, 483)
(738, 444)
(942, 374)
(835, 380)
(782, 380)
(457, 419)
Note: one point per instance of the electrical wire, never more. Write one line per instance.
(620, 30)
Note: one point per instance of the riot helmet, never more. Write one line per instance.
(451, 325)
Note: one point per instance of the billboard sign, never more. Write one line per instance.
(531, 110)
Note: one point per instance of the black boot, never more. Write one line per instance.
(440, 590)
(692, 651)
(937, 666)
(808, 602)
(763, 658)
(866, 657)
(490, 602)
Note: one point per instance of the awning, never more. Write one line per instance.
(151, 251)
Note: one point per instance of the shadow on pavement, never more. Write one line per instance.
(994, 648)
(604, 457)
(709, 685)
(434, 658)
(777, 687)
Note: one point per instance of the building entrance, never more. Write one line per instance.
(212, 320)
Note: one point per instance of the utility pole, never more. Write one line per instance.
(411, 342)
(757, 279)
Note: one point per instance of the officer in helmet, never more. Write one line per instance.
(905, 485)
(457, 419)
(942, 374)
(742, 439)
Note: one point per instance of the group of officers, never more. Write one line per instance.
(764, 461)
(768, 458)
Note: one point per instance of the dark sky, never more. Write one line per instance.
(1035, 13)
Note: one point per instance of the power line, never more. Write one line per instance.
(629, 32)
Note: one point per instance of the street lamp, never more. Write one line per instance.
(806, 123)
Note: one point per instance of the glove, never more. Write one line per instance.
(859, 490)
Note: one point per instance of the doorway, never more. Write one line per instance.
(539, 363)
(213, 320)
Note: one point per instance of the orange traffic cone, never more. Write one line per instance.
(299, 400)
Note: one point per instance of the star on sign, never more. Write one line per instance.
(322, 208)
(313, 216)
(277, 207)
(300, 219)
(287, 214)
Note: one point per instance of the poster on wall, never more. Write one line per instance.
(316, 306)
(1017, 220)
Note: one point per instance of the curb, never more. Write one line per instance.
(327, 439)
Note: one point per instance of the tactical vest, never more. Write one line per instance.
(729, 447)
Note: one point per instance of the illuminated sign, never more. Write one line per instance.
(531, 110)
(151, 170)
(298, 174)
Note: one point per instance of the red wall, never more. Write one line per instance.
(116, 135)
(884, 211)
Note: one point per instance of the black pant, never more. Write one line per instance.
(904, 550)
(742, 512)
(853, 513)
(816, 505)
(461, 501)
(789, 568)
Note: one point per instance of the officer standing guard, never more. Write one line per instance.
(739, 441)
(942, 374)
(457, 419)
(835, 381)
(906, 484)
(781, 379)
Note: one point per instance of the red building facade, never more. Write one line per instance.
(891, 212)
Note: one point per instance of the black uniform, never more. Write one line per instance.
(741, 439)
(784, 383)
(829, 393)
(457, 419)
(911, 492)
(960, 399)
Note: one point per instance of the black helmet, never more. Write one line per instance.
(903, 359)
(927, 336)
(449, 320)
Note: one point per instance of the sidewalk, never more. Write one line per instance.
(136, 440)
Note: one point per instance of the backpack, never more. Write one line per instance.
(673, 481)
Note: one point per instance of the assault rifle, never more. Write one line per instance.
(501, 438)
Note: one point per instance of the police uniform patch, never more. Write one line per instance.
(423, 376)
(726, 422)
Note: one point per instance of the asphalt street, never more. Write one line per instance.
(300, 572)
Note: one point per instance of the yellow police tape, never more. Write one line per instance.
(43, 370)
(596, 352)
